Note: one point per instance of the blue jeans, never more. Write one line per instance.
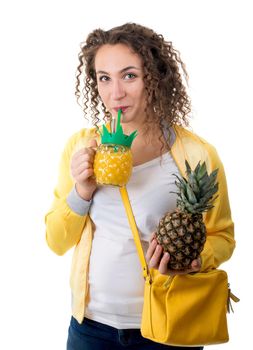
(92, 335)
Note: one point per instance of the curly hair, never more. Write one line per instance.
(164, 73)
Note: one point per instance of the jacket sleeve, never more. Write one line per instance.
(64, 226)
(220, 241)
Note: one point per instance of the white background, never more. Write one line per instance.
(39, 45)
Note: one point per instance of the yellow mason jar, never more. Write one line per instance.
(113, 164)
(113, 161)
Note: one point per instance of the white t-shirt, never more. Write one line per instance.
(115, 274)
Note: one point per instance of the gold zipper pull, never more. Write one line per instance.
(234, 298)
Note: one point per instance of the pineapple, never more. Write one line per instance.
(182, 233)
(113, 160)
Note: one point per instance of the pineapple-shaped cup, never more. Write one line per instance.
(182, 233)
(113, 160)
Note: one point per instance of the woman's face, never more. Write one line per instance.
(120, 82)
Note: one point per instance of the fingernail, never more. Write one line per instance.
(150, 264)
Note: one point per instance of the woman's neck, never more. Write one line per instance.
(153, 131)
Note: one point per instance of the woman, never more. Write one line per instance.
(133, 69)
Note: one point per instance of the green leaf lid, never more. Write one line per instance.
(117, 137)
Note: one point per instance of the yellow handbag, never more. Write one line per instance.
(184, 310)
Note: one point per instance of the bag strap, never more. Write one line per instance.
(136, 236)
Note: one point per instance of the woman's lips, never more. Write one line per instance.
(123, 108)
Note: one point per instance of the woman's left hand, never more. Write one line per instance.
(157, 259)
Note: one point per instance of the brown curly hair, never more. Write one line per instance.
(162, 67)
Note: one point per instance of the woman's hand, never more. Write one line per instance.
(159, 260)
(82, 170)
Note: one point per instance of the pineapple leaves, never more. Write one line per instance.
(194, 183)
(196, 192)
(188, 168)
(191, 196)
(202, 170)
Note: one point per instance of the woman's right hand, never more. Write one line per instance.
(82, 170)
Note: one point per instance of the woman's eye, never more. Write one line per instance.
(130, 76)
(103, 78)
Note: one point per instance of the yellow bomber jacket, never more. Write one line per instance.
(66, 229)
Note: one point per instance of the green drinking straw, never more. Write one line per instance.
(118, 121)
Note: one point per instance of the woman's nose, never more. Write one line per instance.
(118, 91)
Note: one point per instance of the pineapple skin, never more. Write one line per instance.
(183, 236)
(113, 164)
